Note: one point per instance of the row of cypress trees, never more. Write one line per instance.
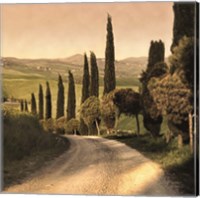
(90, 84)
(71, 104)
(23, 105)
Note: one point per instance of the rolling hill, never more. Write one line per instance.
(127, 70)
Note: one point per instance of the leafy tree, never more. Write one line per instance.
(33, 104)
(173, 92)
(41, 102)
(90, 113)
(184, 21)
(71, 102)
(21, 105)
(94, 79)
(48, 102)
(60, 98)
(128, 102)
(72, 126)
(182, 60)
(172, 98)
(108, 110)
(85, 93)
(25, 106)
(48, 125)
(155, 67)
(109, 72)
(60, 125)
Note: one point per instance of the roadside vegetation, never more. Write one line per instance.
(27, 147)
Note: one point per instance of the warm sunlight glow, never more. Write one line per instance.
(61, 30)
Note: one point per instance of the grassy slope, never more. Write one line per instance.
(27, 146)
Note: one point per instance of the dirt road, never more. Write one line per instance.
(98, 166)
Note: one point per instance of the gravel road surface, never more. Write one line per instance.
(97, 166)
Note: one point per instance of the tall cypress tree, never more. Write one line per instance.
(109, 71)
(22, 105)
(41, 102)
(60, 98)
(48, 101)
(83, 129)
(33, 104)
(184, 21)
(86, 80)
(156, 55)
(71, 102)
(184, 39)
(94, 79)
(26, 106)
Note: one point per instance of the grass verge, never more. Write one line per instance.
(26, 146)
(178, 164)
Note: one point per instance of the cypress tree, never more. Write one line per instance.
(109, 71)
(33, 104)
(156, 55)
(86, 80)
(48, 102)
(184, 21)
(41, 102)
(21, 105)
(25, 106)
(94, 79)
(60, 98)
(184, 40)
(83, 129)
(71, 102)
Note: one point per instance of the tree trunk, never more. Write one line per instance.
(74, 131)
(191, 133)
(138, 124)
(116, 118)
(89, 130)
(168, 136)
(180, 141)
(97, 127)
(108, 131)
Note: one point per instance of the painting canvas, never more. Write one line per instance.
(99, 98)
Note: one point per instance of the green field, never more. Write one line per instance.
(20, 83)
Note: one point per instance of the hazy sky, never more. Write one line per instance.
(61, 30)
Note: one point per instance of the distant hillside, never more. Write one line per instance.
(76, 59)
(127, 70)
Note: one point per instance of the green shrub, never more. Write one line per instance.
(23, 134)
(72, 126)
(48, 125)
(60, 125)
